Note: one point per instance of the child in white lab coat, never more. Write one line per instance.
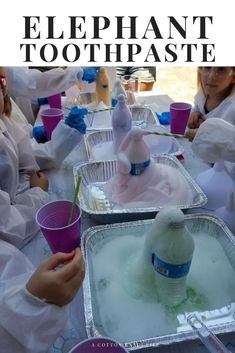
(27, 84)
(33, 304)
(215, 97)
(23, 189)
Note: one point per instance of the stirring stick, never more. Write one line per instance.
(165, 134)
(99, 110)
(79, 178)
(93, 111)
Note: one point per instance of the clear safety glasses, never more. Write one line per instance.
(3, 85)
(221, 72)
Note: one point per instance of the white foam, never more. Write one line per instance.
(159, 185)
(103, 151)
(126, 316)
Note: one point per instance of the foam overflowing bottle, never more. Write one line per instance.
(121, 121)
(133, 152)
(172, 251)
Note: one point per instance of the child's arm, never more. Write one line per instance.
(17, 221)
(32, 83)
(65, 138)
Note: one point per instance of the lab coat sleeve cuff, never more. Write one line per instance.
(29, 320)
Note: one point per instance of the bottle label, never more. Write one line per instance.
(138, 168)
(170, 270)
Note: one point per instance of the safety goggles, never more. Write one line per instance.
(3, 85)
(221, 72)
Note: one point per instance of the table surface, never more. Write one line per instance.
(61, 186)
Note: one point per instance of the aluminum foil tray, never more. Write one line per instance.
(97, 173)
(95, 238)
(141, 115)
(158, 145)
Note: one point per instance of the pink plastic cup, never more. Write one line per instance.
(53, 220)
(55, 101)
(179, 114)
(98, 345)
(50, 118)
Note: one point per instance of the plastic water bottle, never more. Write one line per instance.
(116, 91)
(121, 121)
(172, 252)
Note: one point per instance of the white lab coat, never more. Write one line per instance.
(225, 110)
(27, 324)
(27, 84)
(214, 142)
(19, 202)
(19, 118)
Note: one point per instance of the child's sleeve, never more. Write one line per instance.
(32, 83)
(52, 153)
(17, 221)
(26, 322)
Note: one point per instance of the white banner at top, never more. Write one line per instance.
(89, 33)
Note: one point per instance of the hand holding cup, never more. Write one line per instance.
(58, 285)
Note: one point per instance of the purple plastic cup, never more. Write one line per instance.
(179, 114)
(50, 118)
(53, 220)
(55, 101)
(98, 345)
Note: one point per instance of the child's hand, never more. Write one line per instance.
(39, 179)
(75, 119)
(58, 285)
(195, 120)
(90, 74)
(190, 134)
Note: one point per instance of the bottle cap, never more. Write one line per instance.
(171, 217)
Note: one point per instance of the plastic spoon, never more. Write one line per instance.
(210, 341)
(99, 110)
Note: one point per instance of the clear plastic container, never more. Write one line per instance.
(146, 80)
(130, 83)
(172, 252)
